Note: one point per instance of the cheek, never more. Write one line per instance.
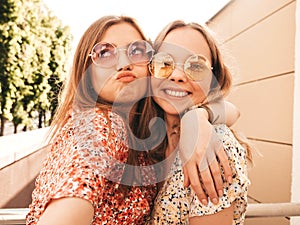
(100, 78)
(141, 71)
(168, 106)
(202, 88)
(154, 85)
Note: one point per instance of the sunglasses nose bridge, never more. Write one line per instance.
(178, 73)
(122, 58)
(179, 66)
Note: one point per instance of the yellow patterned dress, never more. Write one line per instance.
(175, 203)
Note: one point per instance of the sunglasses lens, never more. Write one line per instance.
(197, 67)
(104, 55)
(162, 65)
(140, 52)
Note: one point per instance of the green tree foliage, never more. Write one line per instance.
(34, 46)
(60, 49)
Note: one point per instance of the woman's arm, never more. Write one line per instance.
(222, 112)
(200, 147)
(223, 217)
(68, 211)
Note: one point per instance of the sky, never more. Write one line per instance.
(151, 15)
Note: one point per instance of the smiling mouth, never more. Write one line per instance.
(178, 94)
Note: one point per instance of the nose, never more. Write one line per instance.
(178, 75)
(123, 62)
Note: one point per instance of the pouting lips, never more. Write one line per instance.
(126, 77)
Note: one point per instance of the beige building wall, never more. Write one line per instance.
(296, 133)
(17, 180)
(258, 38)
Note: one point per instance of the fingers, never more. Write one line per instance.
(186, 180)
(209, 186)
(217, 176)
(225, 164)
(196, 184)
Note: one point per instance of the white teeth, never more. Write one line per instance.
(176, 93)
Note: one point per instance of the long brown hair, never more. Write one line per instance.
(223, 77)
(78, 88)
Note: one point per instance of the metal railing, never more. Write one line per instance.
(289, 209)
(13, 216)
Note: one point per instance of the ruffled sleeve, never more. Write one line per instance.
(236, 191)
(80, 159)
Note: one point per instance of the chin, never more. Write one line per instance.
(170, 110)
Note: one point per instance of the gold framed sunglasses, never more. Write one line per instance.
(106, 55)
(196, 67)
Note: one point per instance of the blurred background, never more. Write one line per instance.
(261, 44)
